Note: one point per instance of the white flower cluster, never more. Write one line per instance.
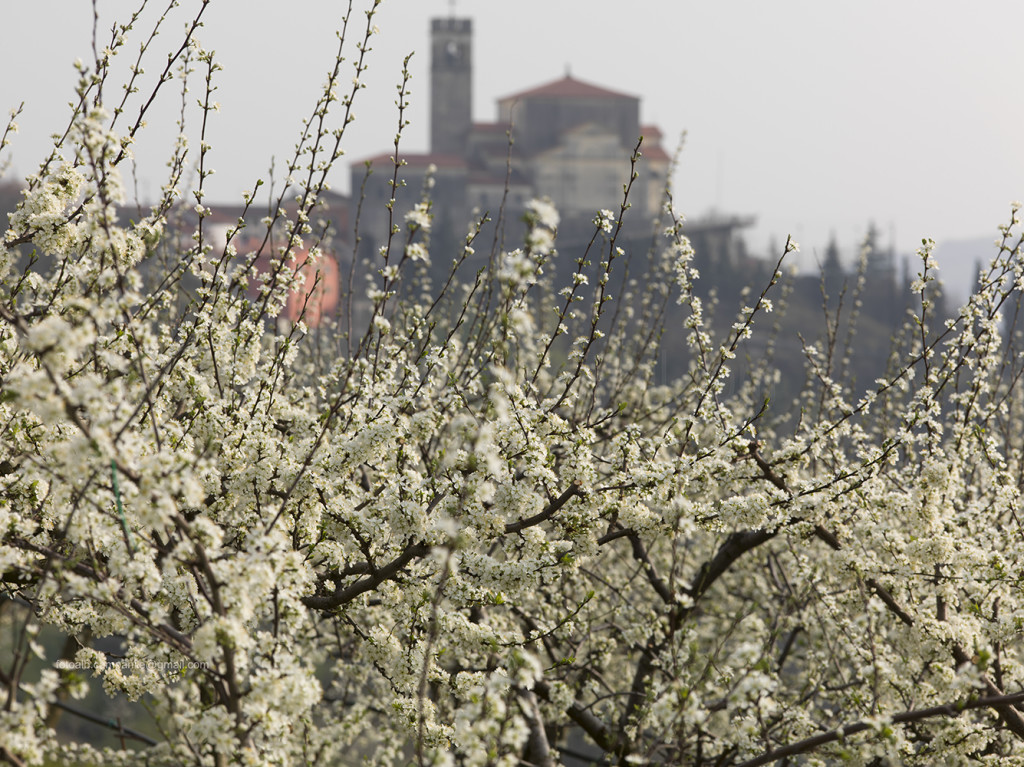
(543, 219)
(419, 218)
(470, 524)
(605, 220)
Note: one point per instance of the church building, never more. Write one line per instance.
(572, 142)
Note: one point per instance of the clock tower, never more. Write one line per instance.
(451, 84)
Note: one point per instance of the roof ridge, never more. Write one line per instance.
(567, 87)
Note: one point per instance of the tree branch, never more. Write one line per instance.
(538, 749)
(548, 512)
(372, 581)
(735, 546)
(641, 556)
(590, 724)
(112, 724)
(949, 709)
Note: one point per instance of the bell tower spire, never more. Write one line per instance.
(451, 83)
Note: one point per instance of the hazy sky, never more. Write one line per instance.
(816, 117)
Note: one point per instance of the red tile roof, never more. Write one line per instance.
(567, 87)
(654, 152)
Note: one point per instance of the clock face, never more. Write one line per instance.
(454, 50)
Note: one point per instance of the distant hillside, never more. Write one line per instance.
(958, 263)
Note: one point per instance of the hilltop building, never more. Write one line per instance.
(571, 141)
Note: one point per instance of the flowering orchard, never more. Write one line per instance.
(471, 527)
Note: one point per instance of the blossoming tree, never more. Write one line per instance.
(474, 531)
